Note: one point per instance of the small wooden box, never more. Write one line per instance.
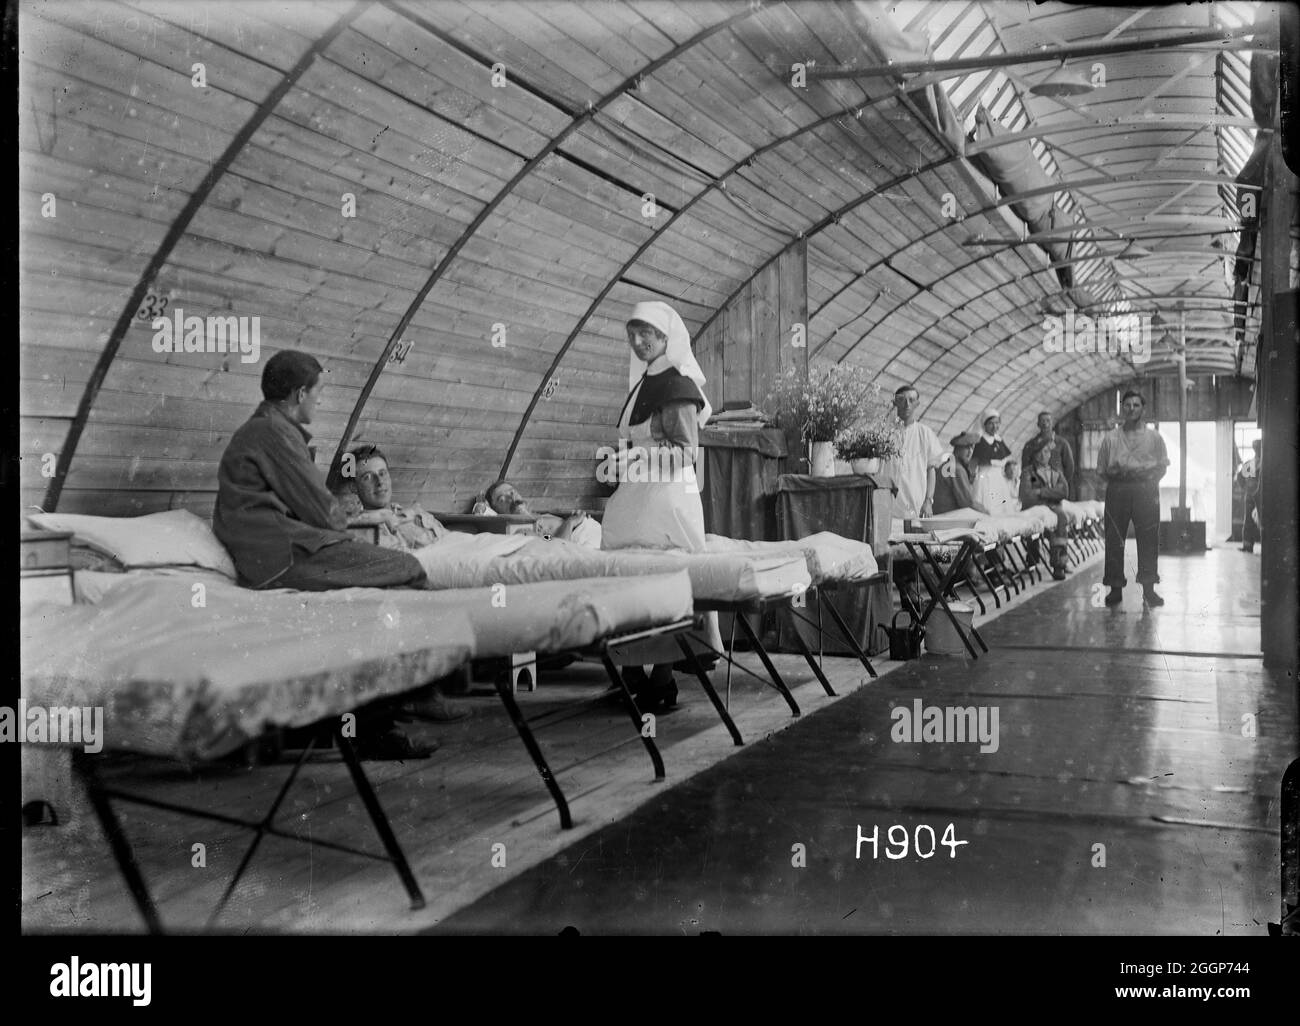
(45, 569)
(45, 550)
(1186, 536)
(479, 523)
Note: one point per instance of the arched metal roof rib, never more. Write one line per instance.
(169, 241)
(506, 190)
(977, 213)
(719, 183)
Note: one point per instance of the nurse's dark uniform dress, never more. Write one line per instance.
(662, 410)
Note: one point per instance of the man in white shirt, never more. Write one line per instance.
(913, 472)
(1248, 478)
(1132, 460)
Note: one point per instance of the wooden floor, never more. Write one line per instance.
(1118, 728)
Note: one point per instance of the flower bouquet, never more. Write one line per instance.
(873, 437)
(822, 406)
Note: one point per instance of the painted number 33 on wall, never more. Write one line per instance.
(153, 306)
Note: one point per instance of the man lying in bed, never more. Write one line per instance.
(282, 527)
(367, 501)
(502, 497)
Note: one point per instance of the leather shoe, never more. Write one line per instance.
(438, 708)
(393, 745)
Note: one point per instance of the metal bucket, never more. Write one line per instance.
(941, 638)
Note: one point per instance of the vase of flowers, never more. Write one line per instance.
(873, 437)
(822, 463)
(821, 406)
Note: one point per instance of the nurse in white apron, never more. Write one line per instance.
(993, 490)
(657, 503)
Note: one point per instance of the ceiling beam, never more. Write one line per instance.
(1227, 39)
(1161, 123)
(577, 120)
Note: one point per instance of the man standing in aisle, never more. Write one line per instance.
(1132, 460)
(913, 472)
(1248, 478)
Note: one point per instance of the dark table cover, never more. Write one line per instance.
(853, 506)
(741, 468)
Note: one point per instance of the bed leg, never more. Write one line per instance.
(709, 690)
(813, 665)
(378, 818)
(505, 690)
(848, 635)
(655, 758)
(767, 665)
(266, 825)
(99, 801)
(979, 566)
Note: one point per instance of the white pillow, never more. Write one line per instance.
(174, 538)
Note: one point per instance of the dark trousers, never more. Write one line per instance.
(1139, 502)
(351, 564)
(1249, 532)
(1057, 538)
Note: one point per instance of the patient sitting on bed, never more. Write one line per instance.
(285, 530)
(502, 497)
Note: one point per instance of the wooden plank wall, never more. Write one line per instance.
(400, 111)
(750, 343)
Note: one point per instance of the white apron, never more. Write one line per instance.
(662, 514)
(993, 491)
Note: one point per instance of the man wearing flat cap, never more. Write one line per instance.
(954, 488)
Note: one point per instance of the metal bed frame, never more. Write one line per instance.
(784, 601)
(101, 794)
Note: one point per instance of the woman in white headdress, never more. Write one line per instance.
(657, 502)
(991, 457)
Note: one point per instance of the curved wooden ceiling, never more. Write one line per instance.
(519, 213)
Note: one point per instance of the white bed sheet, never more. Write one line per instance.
(714, 576)
(197, 681)
(828, 556)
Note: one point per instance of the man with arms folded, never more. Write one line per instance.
(1131, 461)
(368, 502)
(366, 497)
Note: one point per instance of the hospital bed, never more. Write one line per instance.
(196, 680)
(738, 577)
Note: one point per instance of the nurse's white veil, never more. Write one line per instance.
(679, 354)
